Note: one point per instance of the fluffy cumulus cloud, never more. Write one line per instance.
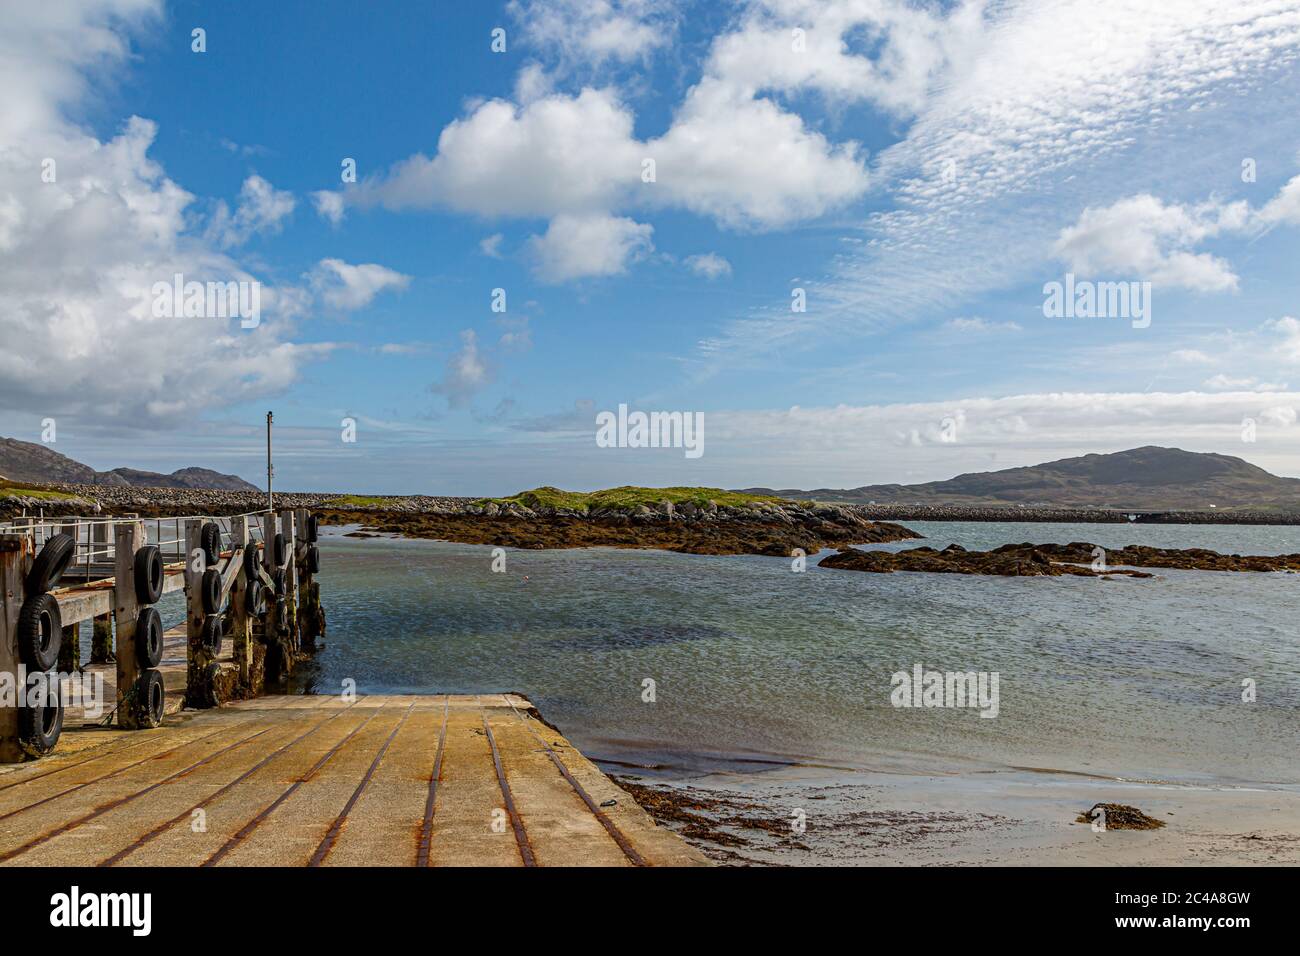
(593, 32)
(350, 287)
(708, 264)
(1144, 237)
(577, 247)
(261, 209)
(734, 151)
(89, 226)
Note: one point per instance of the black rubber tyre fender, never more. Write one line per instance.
(277, 551)
(210, 591)
(148, 568)
(313, 559)
(282, 612)
(210, 542)
(148, 638)
(40, 632)
(213, 632)
(50, 564)
(313, 529)
(252, 561)
(280, 579)
(255, 604)
(39, 727)
(150, 698)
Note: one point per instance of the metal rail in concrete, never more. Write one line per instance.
(326, 781)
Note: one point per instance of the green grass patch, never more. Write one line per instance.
(630, 497)
(9, 489)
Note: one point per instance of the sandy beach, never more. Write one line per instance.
(1021, 818)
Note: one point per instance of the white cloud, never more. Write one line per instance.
(886, 52)
(558, 154)
(1051, 105)
(261, 209)
(1145, 238)
(1190, 357)
(329, 205)
(81, 254)
(350, 287)
(708, 264)
(1247, 383)
(467, 373)
(1287, 330)
(591, 32)
(748, 163)
(490, 246)
(577, 247)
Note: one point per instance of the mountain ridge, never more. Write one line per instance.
(1149, 478)
(23, 461)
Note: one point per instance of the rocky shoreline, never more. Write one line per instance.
(776, 530)
(1079, 558)
(1007, 513)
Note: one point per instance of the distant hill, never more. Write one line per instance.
(24, 461)
(1142, 479)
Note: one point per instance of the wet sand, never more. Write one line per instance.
(1018, 817)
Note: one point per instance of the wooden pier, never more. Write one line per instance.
(209, 771)
(327, 781)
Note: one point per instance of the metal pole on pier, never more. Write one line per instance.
(270, 502)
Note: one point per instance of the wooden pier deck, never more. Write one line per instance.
(324, 781)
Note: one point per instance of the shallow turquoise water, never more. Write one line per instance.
(751, 662)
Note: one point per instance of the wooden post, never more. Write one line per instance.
(15, 561)
(275, 659)
(70, 649)
(290, 576)
(240, 632)
(197, 658)
(128, 536)
(101, 639)
(307, 627)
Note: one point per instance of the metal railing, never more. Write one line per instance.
(95, 540)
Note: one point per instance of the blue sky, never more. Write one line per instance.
(920, 171)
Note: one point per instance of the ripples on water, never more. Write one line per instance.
(751, 661)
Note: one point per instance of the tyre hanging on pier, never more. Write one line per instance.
(313, 529)
(149, 699)
(255, 602)
(50, 564)
(279, 578)
(212, 634)
(148, 638)
(210, 591)
(210, 542)
(148, 567)
(313, 559)
(39, 727)
(40, 632)
(278, 551)
(252, 561)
